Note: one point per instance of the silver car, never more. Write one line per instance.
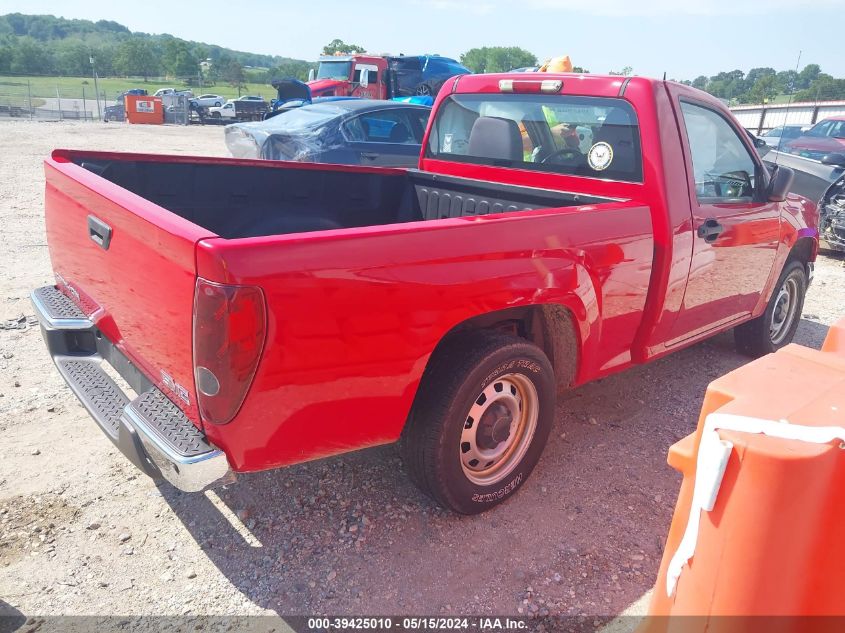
(781, 134)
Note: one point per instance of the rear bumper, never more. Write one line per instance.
(149, 429)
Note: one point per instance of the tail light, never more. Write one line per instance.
(230, 324)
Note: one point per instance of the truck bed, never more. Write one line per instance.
(238, 199)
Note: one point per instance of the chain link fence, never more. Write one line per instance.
(22, 100)
(46, 98)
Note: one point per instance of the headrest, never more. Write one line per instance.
(495, 138)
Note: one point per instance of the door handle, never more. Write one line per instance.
(710, 230)
(99, 232)
(369, 156)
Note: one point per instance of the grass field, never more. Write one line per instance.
(71, 87)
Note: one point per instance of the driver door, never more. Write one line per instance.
(736, 230)
(365, 81)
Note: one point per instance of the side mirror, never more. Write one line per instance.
(835, 159)
(780, 183)
(759, 143)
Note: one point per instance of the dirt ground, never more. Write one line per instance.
(82, 533)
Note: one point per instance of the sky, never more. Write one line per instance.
(682, 39)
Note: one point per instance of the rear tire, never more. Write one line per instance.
(424, 90)
(480, 420)
(776, 326)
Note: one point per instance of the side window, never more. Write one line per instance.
(370, 73)
(386, 126)
(820, 129)
(419, 121)
(723, 168)
(353, 130)
(837, 130)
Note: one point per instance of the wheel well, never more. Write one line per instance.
(550, 326)
(804, 251)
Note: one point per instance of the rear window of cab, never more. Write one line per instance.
(594, 137)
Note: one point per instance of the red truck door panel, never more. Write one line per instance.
(367, 80)
(735, 230)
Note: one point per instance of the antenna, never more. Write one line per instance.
(788, 104)
(664, 75)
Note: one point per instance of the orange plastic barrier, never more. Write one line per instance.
(759, 527)
(142, 109)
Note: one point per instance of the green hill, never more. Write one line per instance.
(48, 45)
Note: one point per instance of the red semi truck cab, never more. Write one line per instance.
(362, 76)
(265, 313)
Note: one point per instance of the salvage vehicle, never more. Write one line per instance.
(266, 313)
(832, 217)
(382, 77)
(173, 91)
(209, 101)
(292, 93)
(812, 177)
(346, 132)
(240, 110)
(825, 137)
(117, 111)
(777, 136)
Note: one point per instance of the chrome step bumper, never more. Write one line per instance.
(149, 430)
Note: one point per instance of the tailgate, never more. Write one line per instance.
(130, 265)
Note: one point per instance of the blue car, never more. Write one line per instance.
(421, 75)
(346, 132)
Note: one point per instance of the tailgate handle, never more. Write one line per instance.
(99, 232)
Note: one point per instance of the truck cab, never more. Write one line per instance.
(371, 77)
(362, 76)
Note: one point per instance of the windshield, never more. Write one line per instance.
(582, 136)
(334, 70)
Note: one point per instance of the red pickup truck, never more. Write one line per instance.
(261, 313)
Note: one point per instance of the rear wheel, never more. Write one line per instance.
(777, 325)
(480, 420)
(423, 90)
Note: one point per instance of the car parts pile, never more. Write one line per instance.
(832, 217)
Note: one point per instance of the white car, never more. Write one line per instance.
(161, 92)
(209, 101)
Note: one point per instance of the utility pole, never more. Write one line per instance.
(96, 86)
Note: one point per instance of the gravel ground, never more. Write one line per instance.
(82, 533)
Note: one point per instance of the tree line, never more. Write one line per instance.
(759, 85)
(48, 45)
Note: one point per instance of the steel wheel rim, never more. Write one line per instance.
(783, 314)
(498, 429)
